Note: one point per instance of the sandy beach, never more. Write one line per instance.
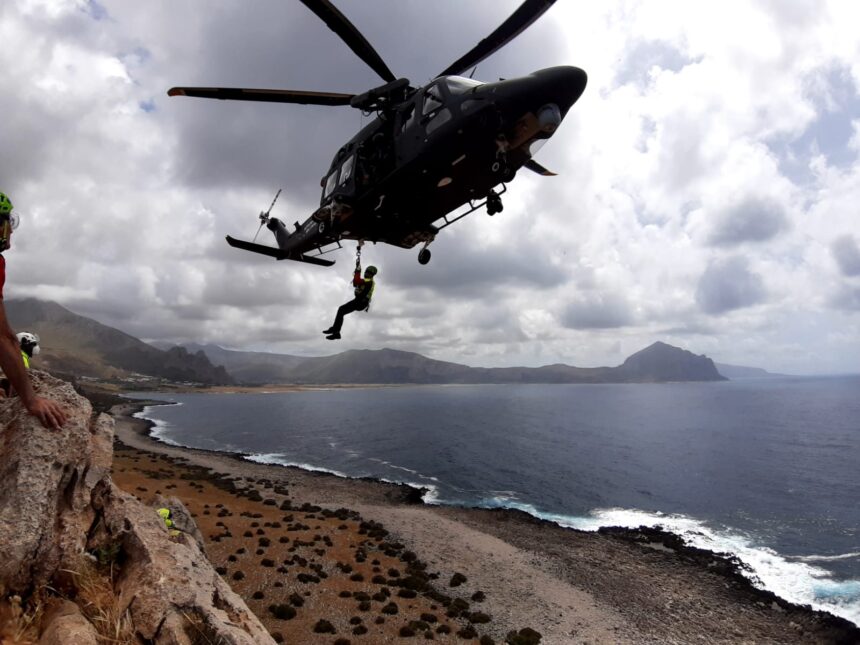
(378, 565)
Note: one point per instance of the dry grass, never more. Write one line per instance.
(19, 623)
(100, 605)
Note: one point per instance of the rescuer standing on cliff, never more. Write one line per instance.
(49, 412)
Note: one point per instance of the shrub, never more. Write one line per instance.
(324, 627)
(457, 579)
(390, 608)
(296, 600)
(526, 636)
(282, 612)
(467, 632)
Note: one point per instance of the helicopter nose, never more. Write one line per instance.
(565, 84)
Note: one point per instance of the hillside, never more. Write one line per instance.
(658, 363)
(739, 371)
(74, 344)
(81, 346)
(251, 367)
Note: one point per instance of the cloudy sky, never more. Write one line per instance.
(707, 194)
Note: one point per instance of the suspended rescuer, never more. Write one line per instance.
(49, 412)
(361, 302)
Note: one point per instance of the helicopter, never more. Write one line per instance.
(431, 150)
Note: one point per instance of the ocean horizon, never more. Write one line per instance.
(762, 469)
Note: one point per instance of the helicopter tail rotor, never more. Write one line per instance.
(264, 216)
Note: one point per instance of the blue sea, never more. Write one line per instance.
(765, 469)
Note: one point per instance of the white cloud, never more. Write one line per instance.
(700, 133)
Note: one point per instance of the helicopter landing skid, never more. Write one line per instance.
(493, 197)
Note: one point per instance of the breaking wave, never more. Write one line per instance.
(790, 577)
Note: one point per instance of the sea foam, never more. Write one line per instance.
(791, 578)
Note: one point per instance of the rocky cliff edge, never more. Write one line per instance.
(80, 557)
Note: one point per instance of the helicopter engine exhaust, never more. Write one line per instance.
(549, 118)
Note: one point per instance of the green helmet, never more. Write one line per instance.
(5, 204)
(371, 270)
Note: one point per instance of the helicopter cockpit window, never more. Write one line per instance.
(433, 99)
(331, 183)
(346, 169)
(442, 116)
(460, 85)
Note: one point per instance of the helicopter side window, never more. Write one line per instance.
(441, 117)
(469, 105)
(331, 183)
(346, 169)
(433, 99)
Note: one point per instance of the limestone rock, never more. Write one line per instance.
(181, 518)
(164, 580)
(57, 502)
(46, 480)
(65, 624)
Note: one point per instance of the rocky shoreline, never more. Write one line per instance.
(614, 586)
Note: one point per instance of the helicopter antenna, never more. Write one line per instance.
(472, 73)
(264, 217)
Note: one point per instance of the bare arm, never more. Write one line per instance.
(49, 412)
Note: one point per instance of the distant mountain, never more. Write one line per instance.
(81, 346)
(738, 371)
(251, 367)
(658, 363)
(662, 362)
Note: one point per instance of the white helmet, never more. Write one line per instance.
(29, 342)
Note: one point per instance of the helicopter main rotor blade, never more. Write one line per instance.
(340, 25)
(269, 96)
(519, 20)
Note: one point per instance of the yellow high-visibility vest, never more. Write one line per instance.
(25, 358)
